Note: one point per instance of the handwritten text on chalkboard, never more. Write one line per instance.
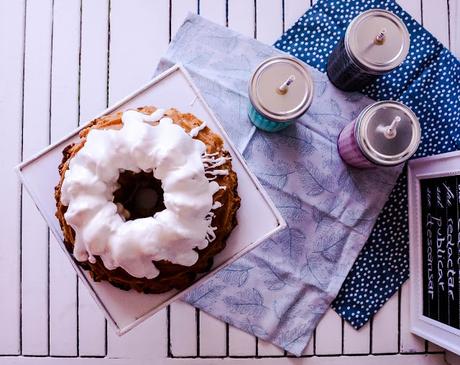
(440, 199)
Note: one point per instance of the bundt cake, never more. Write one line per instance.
(146, 198)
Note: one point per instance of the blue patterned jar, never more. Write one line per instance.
(280, 91)
(375, 43)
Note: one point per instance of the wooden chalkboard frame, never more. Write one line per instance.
(428, 167)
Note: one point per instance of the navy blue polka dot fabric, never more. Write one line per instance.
(429, 83)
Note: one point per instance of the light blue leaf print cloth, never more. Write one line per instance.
(428, 81)
(280, 290)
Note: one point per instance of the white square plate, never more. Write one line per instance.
(257, 217)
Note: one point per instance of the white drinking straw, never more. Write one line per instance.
(390, 131)
(381, 36)
(285, 85)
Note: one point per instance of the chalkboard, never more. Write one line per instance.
(440, 220)
(434, 244)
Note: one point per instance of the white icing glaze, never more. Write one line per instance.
(175, 158)
(194, 132)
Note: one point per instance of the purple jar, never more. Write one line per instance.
(375, 43)
(386, 133)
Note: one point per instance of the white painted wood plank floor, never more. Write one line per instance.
(62, 62)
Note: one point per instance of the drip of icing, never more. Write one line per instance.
(217, 172)
(210, 235)
(154, 117)
(211, 162)
(194, 132)
(173, 157)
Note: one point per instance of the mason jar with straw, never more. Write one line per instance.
(386, 133)
(280, 91)
(375, 43)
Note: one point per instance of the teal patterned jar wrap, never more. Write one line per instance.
(265, 124)
(280, 91)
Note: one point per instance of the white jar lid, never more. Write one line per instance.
(377, 40)
(388, 132)
(265, 94)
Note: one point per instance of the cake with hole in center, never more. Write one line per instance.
(146, 199)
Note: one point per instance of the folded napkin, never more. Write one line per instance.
(280, 290)
(429, 83)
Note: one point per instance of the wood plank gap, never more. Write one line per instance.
(52, 356)
(197, 323)
(257, 347)
(49, 141)
(79, 80)
(255, 19)
(106, 342)
(48, 294)
(314, 342)
(370, 336)
(421, 12)
(399, 320)
(227, 326)
(226, 24)
(371, 331)
(170, 23)
(24, 76)
(51, 90)
(21, 190)
(77, 317)
(343, 333)
(218, 357)
(449, 24)
(198, 5)
(109, 4)
(168, 328)
(107, 99)
(242, 357)
(283, 12)
(77, 281)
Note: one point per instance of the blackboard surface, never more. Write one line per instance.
(440, 201)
